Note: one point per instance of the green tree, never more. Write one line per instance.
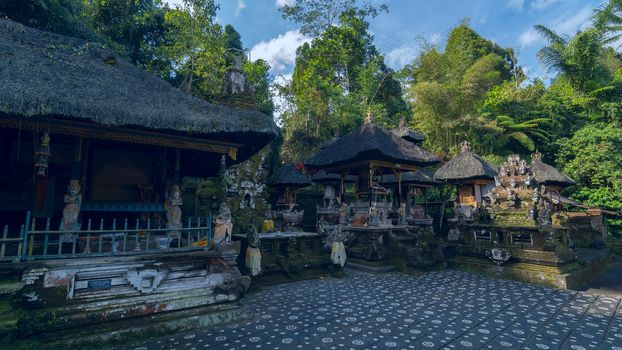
(195, 45)
(592, 156)
(316, 16)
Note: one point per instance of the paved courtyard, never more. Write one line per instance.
(438, 310)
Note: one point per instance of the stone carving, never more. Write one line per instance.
(373, 216)
(344, 214)
(172, 206)
(292, 262)
(338, 249)
(253, 253)
(329, 196)
(498, 256)
(146, 280)
(42, 156)
(401, 214)
(71, 211)
(224, 225)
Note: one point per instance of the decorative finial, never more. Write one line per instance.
(465, 146)
(536, 157)
(368, 118)
(403, 123)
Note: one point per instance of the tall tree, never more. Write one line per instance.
(316, 16)
(195, 46)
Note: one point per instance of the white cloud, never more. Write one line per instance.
(281, 3)
(528, 38)
(280, 52)
(435, 38)
(401, 56)
(572, 24)
(241, 6)
(173, 3)
(541, 4)
(516, 5)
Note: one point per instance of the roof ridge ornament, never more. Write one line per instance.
(465, 146)
(368, 118)
(536, 157)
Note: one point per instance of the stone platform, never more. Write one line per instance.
(437, 310)
(573, 275)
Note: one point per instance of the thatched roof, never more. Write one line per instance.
(322, 177)
(370, 142)
(407, 133)
(466, 166)
(288, 176)
(422, 177)
(46, 74)
(547, 175)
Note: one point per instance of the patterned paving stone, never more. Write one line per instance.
(438, 310)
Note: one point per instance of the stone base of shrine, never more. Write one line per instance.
(568, 276)
(289, 256)
(127, 331)
(107, 298)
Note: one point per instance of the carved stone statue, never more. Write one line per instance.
(253, 253)
(373, 215)
(71, 211)
(343, 214)
(224, 225)
(338, 249)
(401, 214)
(544, 215)
(329, 196)
(172, 206)
(268, 222)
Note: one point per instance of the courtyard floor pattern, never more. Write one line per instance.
(437, 310)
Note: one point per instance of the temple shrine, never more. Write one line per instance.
(96, 234)
(517, 226)
(370, 152)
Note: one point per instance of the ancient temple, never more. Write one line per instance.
(374, 226)
(93, 153)
(520, 229)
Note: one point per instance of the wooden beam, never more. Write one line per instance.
(121, 134)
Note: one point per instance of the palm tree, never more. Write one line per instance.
(577, 58)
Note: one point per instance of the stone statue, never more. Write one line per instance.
(329, 196)
(172, 206)
(544, 215)
(373, 215)
(338, 249)
(401, 214)
(268, 221)
(224, 224)
(253, 253)
(343, 214)
(71, 211)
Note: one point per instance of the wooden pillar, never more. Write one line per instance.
(398, 175)
(176, 175)
(342, 191)
(76, 167)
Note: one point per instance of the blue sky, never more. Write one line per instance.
(507, 22)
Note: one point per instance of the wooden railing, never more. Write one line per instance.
(37, 240)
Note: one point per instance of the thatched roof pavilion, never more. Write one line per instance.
(465, 166)
(547, 175)
(370, 143)
(46, 78)
(288, 176)
(368, 151)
